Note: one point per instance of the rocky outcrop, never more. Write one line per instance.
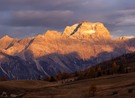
(87, 30)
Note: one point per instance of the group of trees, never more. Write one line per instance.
(3, 78)
(60, 76)
(113, 68)
(122, 64)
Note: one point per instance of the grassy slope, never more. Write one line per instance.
(79, 89)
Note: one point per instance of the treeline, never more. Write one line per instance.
(119, 65)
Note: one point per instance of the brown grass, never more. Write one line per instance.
(106, 86)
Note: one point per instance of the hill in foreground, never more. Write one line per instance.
(120, 86)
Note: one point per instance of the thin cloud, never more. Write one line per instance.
(39, 18)
(115, 14)
(126, 21)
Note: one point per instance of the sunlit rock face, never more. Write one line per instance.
(87, 30)
(5, 42)
(78, 47)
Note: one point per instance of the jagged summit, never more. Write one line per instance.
(6, 37)
(126, 37)
(87, 30)
(52, 34)
(81, 30)
(5, 41)
(122, 38)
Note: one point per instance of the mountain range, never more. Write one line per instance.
(77, 48)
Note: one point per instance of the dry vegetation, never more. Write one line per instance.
(120, 86)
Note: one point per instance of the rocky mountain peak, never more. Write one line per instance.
(54, 52)
(87, 30)
(52, 34)
(6, 37)
(5, 41)
(124, 38)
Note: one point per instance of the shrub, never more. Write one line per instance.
(130, 90)
(50, 79)
(114, 92)
(92, 90)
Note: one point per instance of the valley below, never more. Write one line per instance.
(112, 86)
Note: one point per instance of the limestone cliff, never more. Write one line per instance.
(87, 30)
